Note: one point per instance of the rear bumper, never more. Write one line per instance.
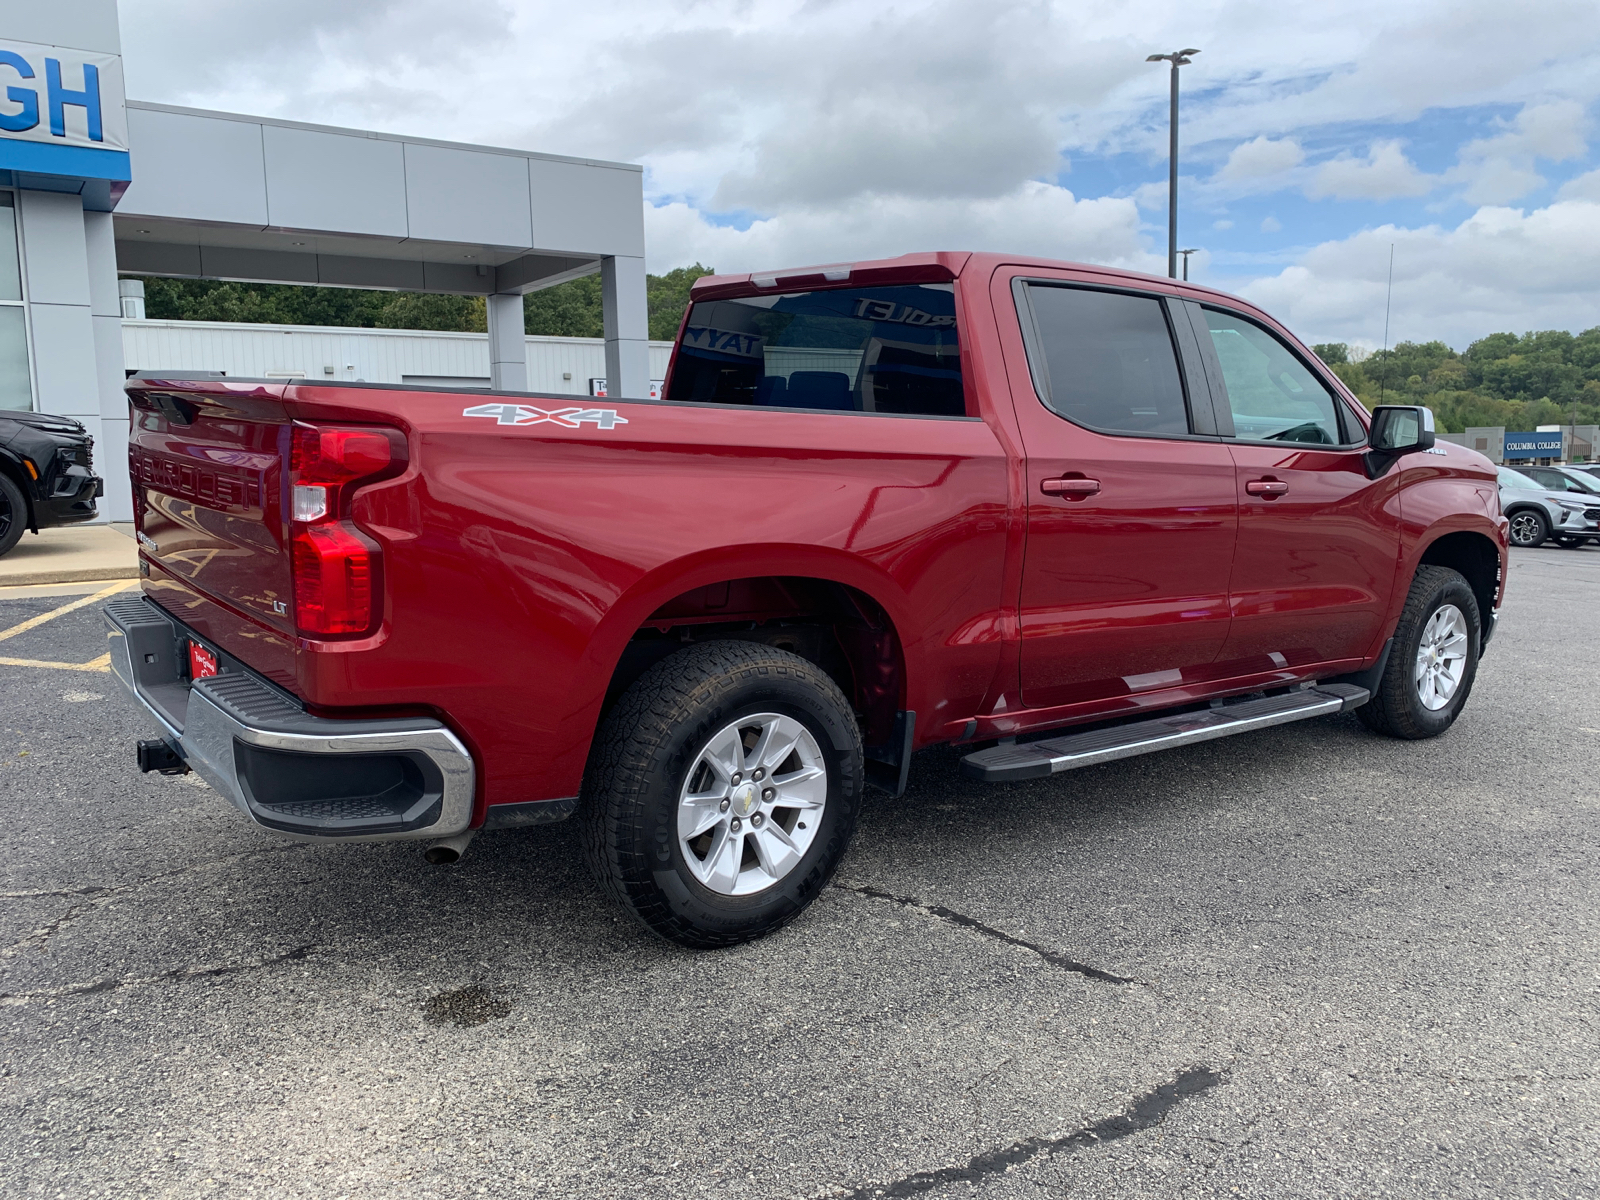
(309, 777)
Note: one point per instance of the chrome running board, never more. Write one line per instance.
(1032, 760)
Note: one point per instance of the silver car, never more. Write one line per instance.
(1538, 513)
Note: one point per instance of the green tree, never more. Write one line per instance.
(570, 309)
(668, 296)
(1332, 353)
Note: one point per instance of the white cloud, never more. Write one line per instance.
(1271, 225)
(1223, 224)
(1385, 174)
(1261, 158)
(1500, 169)
(1501, 269)
(1584, 187)
(1035, 218)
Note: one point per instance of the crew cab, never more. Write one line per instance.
(1053, 514)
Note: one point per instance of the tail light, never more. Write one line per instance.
(336, 567)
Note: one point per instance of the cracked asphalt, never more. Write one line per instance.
(1307, 962)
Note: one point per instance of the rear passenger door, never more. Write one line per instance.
(1130, 496)
(1319, 542)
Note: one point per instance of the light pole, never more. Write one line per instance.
(1186, 253)
(1178, 58)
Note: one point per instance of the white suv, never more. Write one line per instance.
(1538, 513)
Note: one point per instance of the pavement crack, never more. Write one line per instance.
(1142, 1113)
(99, 896)
(1054, 958)
(176, 975)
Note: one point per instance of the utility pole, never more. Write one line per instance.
(1186, 253)
(1178, 58)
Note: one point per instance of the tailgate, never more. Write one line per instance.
(207, 461)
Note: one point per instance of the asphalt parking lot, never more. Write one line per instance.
(1306, 962)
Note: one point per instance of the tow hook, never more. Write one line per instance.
(162, 756)
(450, 849)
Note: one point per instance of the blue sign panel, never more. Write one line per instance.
(1534, 445)
(62, 112)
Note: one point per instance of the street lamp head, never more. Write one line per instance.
(1178, 58)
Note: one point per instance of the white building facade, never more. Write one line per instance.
(405, 356)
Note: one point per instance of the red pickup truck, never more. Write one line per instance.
(1053, 513)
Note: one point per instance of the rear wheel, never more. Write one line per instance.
(1433, 661)
(13, 514)
(1528, 527)
(722, 792)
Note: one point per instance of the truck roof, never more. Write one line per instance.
(938, 266)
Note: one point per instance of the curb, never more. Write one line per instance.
(68, 575)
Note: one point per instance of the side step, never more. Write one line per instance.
(1033, 760)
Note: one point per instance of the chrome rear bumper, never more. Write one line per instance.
(309, 777)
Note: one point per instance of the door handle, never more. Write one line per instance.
(1070, 489)
(1267, 489)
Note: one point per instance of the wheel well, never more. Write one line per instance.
(1476, 558)
(13, 472)
(842, 630)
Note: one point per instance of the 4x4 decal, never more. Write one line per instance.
(526, 414)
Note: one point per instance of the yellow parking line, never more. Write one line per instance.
(35, 622)
(101, 664)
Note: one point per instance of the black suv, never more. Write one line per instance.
(46, 474)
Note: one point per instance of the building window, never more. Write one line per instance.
(16, 386)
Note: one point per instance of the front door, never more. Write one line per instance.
(1319, 542)
(1130, 499)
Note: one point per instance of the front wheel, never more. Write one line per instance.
(1528, 528)
(722, 792)
(1432, 662)
(13, 514)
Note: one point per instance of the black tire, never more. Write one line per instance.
(1397, 707)
(639, 767)
(13, 515)
(1529, 528)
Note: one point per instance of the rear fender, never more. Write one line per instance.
(633, 609)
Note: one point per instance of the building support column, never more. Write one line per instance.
(508, 344)
(627, 328)
(105, 312)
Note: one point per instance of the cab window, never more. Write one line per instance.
(1109, 362)
(1274, 397)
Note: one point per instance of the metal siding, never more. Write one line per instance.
(367, 355)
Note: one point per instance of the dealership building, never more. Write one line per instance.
(93, 185)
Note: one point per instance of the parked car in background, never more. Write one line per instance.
(1564, 479)
(46, 474)
(1539, 513)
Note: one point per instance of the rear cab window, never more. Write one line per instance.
(866, 350)
(1106, 361)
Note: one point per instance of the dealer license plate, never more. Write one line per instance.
(202, 663)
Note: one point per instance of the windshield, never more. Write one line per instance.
(1585, 482)
(1516, 479)
(875, 350)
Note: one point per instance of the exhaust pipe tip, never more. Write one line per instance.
(448, 850)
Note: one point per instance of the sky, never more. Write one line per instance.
(1458, 135)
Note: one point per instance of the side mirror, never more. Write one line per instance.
(1397, 429)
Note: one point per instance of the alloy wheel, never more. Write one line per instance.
(752, 803)
(1525, 529)
(1441, 657)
